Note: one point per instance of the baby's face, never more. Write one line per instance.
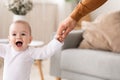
(19, 36)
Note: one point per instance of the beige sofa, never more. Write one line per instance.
(98, 56)
(72, 63)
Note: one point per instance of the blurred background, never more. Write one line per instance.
(46, 15)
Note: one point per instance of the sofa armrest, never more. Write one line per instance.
(71, 41)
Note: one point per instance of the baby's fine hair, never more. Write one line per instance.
(23, 22)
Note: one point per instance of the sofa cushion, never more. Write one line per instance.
(103, 33)
(95, 63)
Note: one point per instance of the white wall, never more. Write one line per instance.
(64, 8)
(110, 5)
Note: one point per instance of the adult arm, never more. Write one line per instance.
(83, 8)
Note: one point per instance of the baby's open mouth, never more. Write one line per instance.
(19, 43)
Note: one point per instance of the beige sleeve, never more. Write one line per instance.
(84, 7)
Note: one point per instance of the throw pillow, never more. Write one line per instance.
(103, 33)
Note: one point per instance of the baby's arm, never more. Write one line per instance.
(46, 51)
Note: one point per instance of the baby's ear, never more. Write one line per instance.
(31, 39)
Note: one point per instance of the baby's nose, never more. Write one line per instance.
(18, 36)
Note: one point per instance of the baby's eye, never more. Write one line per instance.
(14, 34)
(23, 34)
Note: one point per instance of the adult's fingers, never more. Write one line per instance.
(66, 32)
(61, 29)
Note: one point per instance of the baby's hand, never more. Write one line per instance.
(60, 38)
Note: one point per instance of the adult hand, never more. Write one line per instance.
(65, 27)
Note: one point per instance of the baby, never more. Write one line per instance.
(18, 56)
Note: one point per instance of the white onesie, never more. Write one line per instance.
(17, 65)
